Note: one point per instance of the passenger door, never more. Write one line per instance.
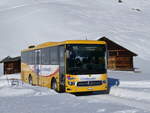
(37, 64)
(62, 66)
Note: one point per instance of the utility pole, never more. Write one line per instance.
(86, 38)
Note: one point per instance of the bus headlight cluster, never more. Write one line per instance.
(71, 78)
(71, 83)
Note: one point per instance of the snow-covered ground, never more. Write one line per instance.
(28, 22)
(1, 69)
(130, 96)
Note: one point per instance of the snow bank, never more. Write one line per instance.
(10, 76)
(132, 85)
(135, 84)
(6, 90)
(5, 80)
(20, 89)
(26, 99)
(1, 69)
(130, 94)
(11, 92)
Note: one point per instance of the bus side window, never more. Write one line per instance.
(54, 56)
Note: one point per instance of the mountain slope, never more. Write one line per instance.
(26, 22)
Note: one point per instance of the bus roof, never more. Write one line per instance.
(48, 44)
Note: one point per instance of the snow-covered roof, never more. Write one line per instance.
(10, 59)
(119, 46)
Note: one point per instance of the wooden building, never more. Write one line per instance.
(119, 58)
(11, 65)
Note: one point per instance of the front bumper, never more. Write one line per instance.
(73, 89)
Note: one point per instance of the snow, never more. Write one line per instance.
(130, 96)
(6, 92)
(29, 22)
(135, 84)
(37, 21)
(1, 69)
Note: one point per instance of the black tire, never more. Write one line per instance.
(54, 85)
(30, 80)
(61, 89)
(108, 90)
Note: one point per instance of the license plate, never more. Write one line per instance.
(90, 88)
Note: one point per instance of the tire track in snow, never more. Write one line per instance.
(130, 94)
(117, 100)
(131, 103)
(112, 98)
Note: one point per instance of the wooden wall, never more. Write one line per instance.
(12, 67)
(119, 58)
(120, 63)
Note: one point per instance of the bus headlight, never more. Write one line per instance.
(71, 83)
(71, 78)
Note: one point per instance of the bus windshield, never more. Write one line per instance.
(86, 59)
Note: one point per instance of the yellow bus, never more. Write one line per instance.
(68, 66)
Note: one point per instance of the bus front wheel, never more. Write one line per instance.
(30, 80)
(54, 84)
